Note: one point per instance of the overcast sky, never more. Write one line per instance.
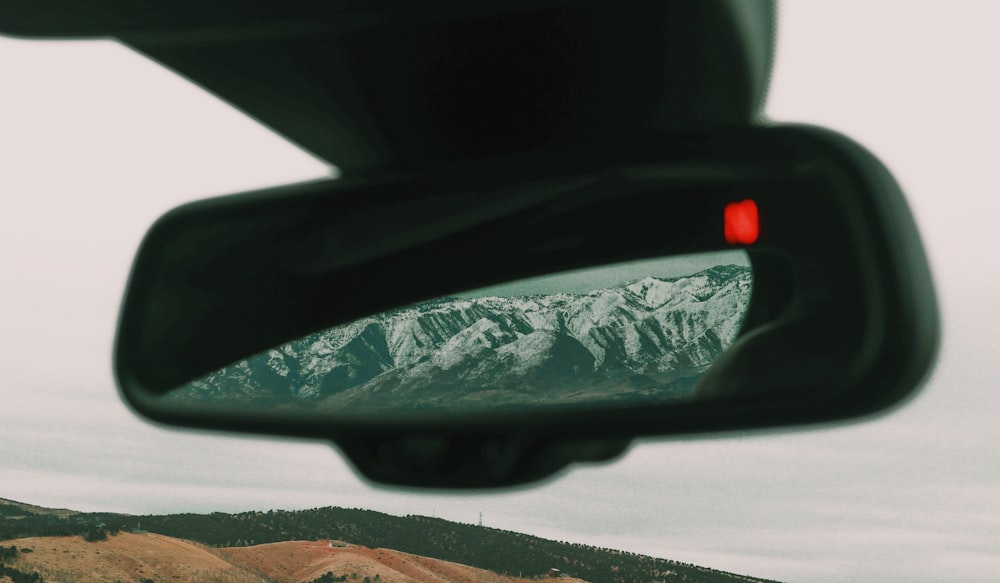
(96, 142)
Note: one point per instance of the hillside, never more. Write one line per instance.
(126, 557)
(153, 557)
(402, 547)
(302, 561)
(14, 508)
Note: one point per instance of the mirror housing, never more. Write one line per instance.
(395, 85)
(842, 322)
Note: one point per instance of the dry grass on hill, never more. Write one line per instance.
(300, 561)
(126, 557)
(134, 557)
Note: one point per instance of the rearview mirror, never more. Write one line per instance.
(488, 324)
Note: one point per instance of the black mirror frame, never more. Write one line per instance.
(851, 263)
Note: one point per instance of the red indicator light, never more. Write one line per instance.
(741, 223)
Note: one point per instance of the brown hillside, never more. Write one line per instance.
(133, 557)
(302, 561)
(126, 557)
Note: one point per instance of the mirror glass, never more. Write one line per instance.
(628, 334)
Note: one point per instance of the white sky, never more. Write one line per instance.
(96, 142)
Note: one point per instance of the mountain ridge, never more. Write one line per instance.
(456, 352)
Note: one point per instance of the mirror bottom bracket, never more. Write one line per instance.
(471, 460)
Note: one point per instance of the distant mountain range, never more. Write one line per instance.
(648, 339)
(320, 545)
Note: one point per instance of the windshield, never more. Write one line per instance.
(96, 142)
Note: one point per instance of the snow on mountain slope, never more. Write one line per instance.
(635, 337)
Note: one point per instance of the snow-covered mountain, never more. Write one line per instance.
(649, 338)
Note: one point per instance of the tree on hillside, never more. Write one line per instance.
(8, 553)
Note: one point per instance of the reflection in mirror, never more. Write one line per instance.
(629, 334)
